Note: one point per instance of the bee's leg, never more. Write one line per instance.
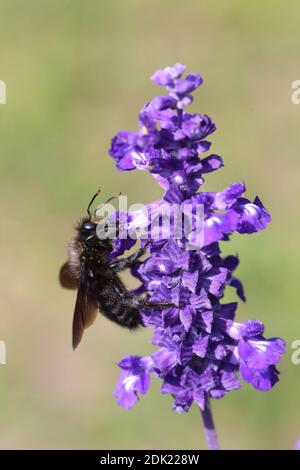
(121, 264)
(160, 305)
(129, 315)
(139, 303)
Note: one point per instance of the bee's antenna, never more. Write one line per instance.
(109, 200)
(92, 200)
(106, 202)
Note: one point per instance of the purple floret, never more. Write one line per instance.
(134, 379)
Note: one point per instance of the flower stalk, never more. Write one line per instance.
(209, 428)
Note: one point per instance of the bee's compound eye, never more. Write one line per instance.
(89, 226)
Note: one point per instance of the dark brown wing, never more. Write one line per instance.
(85, 311)
(67, 278)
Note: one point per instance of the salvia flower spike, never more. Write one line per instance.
(202, 351)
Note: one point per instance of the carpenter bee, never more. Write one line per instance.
(94, 274)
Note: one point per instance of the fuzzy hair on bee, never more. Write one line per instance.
(94, 274)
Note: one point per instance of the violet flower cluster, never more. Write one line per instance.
(202, 351)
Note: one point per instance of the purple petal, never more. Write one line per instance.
(211, 163)
(225, 199)
(190, 280)
(186, 317)
(167, 76)
(164, 360)
(236, 283)
(163, 102)
(188, 84)
(260, 353)
(196, 126)
(183, 401)
(216, 226)
(248, 329)
(200, 345)
(128, 387)
(250, 217)
(230, 381)
(216, 280)
(262, 379)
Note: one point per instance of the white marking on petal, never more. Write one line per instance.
(129, 382)
(213, 220)
(251, 209)
(260, 345)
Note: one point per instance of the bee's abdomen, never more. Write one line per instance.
(115, 302)
(123, 315)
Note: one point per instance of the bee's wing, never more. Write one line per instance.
(67, 278)
(85, 311)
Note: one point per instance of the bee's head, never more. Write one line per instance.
(87, 230)
(88, 226)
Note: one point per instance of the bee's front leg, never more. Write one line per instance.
(121, 264)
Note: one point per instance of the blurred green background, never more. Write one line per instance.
(76, 72)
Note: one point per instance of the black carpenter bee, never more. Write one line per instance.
(94, 274)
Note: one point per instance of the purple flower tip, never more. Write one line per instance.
(168, 75)
(257, 359)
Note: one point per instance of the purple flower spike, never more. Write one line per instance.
(202, 351)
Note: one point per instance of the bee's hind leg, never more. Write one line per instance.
(140, 303)
(130, 313)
